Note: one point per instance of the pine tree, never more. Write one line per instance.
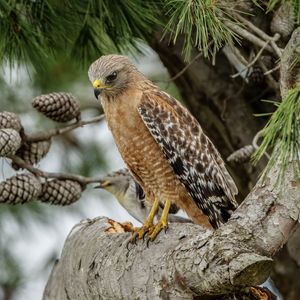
(223, 57)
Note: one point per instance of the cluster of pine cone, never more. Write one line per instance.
(25, 187)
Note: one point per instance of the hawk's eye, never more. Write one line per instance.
(111, 77)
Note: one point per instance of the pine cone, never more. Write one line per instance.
(10, 120)
(33, 152)
(241, 155)
(60, 192)
(60, 107)
(19, 189)
(10, 141)
(283, 21)
(256, 75)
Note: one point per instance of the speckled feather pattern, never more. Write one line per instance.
(164, 146)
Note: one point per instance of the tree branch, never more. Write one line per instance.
(290, 63)
(46, 135)
(262, 34)
(64, 176)
(252, 62)
(186, 261)
(249, 36)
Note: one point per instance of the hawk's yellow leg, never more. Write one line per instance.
(148, 224)
(163, 221)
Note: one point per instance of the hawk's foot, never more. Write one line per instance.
(146, 228)
(162, 223)
(139, 233)
(148, 225)
(157, 229)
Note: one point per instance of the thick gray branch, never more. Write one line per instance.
(186, 261)
(290, 63)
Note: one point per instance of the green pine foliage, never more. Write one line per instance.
(202, 24)
(297, 11)
(273, 4)
(37, 31)
(21, 37)
(282, 135)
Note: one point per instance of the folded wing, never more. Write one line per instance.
(193, 157)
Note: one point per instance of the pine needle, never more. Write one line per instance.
(282, 135)
(39, 31)
(200, 22)
(273, 4)
(297, 11)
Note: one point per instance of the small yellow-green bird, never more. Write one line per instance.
(131, 196)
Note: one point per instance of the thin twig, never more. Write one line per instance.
(272, 82)
(278, 51)
(258, 135)
(272, 70)
(45, 135)
(64, 176)
(186, 67)
(246, 152)
(253, 61)
(248, 35)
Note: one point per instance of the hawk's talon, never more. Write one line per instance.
(131, 240)
(140, 232)
(149, 228)
(148, 241)
(158, 228)
(145, 235)
(166, 228)
(148, 225)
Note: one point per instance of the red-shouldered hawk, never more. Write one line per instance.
(163, 146)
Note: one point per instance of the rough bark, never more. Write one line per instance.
(185, 262)
(287, 263)
(290, 64)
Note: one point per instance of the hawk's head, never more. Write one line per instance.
(111, 74)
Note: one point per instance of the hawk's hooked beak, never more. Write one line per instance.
(97, 92)
(98, 87)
